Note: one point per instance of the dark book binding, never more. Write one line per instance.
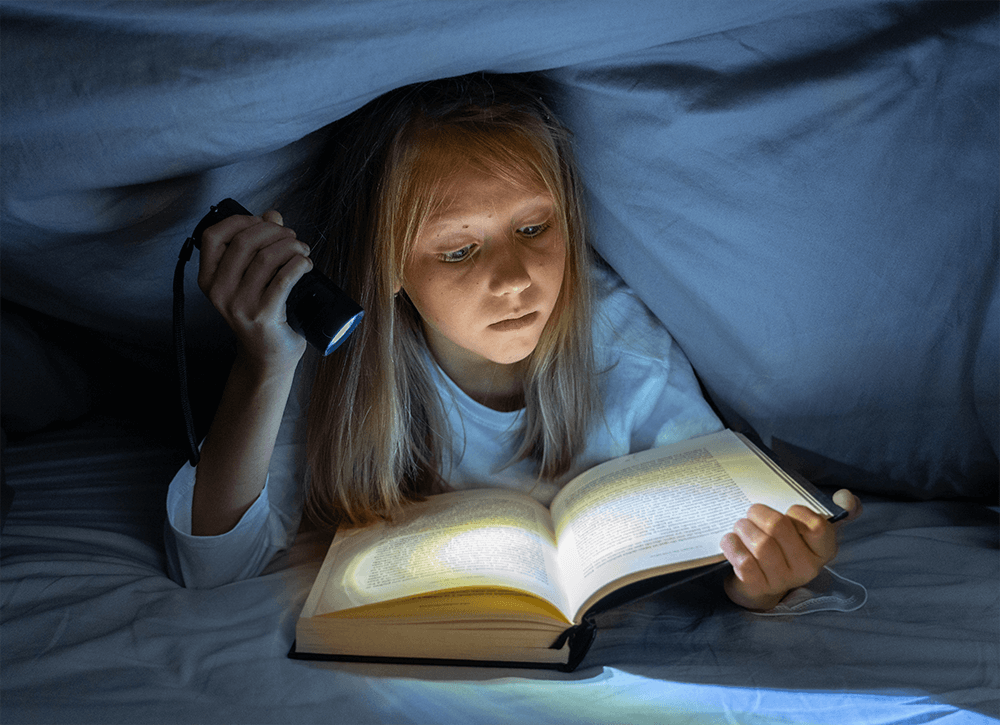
(580, 637)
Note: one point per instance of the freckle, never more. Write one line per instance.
(465, 226)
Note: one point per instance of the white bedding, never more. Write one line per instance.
(94, 631)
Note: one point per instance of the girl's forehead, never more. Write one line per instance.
(503, 152)
(467, 189)
(455, 173)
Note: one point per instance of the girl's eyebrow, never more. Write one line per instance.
(528, 206)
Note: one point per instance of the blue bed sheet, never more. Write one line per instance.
(94, 631)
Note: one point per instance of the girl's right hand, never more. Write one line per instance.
(248, 265)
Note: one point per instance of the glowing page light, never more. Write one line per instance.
(433, 540)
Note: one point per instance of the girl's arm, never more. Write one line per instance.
(773, 553)
(247, 267)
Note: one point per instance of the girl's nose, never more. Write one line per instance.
(508, 274)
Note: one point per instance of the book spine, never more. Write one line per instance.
(580, 637)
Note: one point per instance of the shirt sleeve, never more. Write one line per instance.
(667, 402)
(267, 527)
(650, 390)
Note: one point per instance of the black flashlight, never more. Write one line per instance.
(317, 308)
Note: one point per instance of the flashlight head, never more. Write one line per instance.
(321, 312)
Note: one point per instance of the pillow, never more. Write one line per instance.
(810, 206)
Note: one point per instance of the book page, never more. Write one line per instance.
(460, 539)
(658, 508)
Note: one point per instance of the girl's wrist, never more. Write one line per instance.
(259, 371)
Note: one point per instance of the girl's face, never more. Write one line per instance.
(485, 273)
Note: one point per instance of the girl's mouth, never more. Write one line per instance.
(517, 323)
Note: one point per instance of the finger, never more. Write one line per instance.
(745, 565)
(817, 533)
(268, 260)
(797, 562)
(274, 272)
(273, 216)
(214, 242)
(275, 296)
(765, 549)
(239, 255)
(762, 529)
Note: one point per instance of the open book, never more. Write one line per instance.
(490, 575)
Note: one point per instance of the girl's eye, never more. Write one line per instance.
(533, 231)
(458, 255)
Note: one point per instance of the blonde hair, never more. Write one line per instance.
(376, 429)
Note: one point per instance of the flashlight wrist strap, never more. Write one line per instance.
(180, 350)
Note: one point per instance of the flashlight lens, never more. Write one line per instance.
(343, 333)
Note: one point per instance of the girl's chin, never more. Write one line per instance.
(512, 354)
(513, 360)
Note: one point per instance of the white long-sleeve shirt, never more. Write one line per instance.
(649, 394)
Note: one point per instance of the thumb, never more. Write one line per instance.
(849, 502)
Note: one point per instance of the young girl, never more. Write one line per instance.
(492, 353)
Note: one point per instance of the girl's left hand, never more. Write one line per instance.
(773, 553)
